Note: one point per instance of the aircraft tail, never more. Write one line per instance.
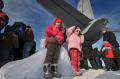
(84, 6)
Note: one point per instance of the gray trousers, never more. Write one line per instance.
(53, 52)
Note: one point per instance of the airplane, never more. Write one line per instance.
(82, 16)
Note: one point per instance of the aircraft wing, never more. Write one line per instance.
(69, 15)
(113, 29)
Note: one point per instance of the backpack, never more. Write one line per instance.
(20, 31)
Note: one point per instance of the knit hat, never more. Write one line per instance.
(4, 18)
(57, 20)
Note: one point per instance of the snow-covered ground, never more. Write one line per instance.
(31, 68)
(96, 74)
(100, 74)
(91, 74)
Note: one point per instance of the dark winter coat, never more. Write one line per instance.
(111, 38)
(87, 50)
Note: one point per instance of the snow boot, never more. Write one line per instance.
(47, 71)
(55, 73)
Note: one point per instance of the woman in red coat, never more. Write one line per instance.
(54, 39)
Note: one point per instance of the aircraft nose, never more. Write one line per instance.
(105, 21)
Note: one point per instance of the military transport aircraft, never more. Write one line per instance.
(82, 16)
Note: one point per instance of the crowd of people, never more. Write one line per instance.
(80, 51)
(16, 41)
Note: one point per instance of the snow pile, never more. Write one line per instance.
(32, 68)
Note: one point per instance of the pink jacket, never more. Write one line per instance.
(49, 32)
(74, 41)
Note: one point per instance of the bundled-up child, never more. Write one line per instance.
(108, 54)
(75, 41)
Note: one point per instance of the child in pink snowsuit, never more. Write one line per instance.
(75, 41)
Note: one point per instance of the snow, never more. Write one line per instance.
(31, 68)
(96, 74)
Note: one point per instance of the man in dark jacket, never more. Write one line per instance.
(111, 38)
(19, 29)
(8, 40)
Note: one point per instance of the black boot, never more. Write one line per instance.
(54, 71)
(47, 71)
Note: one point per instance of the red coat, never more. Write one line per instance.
(51, 31)
(109, 52)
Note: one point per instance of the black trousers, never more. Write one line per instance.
(99, 62)
(53, 52)
(92, 62)
(4, 57)
(109, 63)
(117, 62)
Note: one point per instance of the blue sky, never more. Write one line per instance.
(31, 13)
